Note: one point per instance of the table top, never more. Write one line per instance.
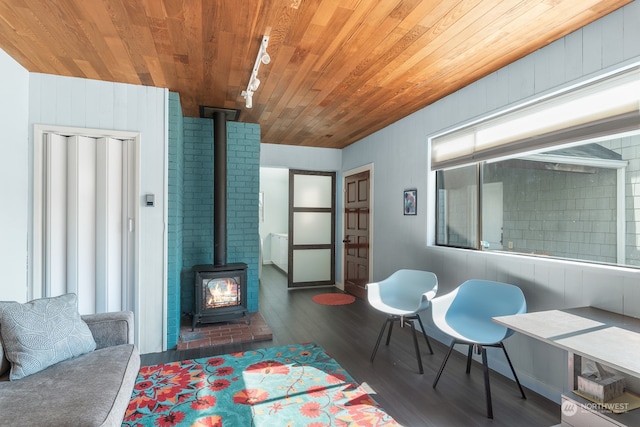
(599, 335)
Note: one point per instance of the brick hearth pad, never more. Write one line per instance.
(235, 331)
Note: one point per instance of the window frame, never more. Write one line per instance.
(615, 126)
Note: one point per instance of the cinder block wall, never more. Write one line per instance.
(243, 187)
(197, 243)
(191, 207)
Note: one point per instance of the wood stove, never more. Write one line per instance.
(221, 293)
(220, 288)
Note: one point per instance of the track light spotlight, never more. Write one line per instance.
(255, 83)
(248, 97)
(265, 58)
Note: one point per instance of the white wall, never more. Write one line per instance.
(14, 149)
(399, 153)
(66, 101)
(274, 184)
(305, 158)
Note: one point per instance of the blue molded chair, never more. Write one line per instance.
(466, 313)
(402, 296)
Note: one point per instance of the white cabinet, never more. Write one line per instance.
(284, 253)
(280, 251)
(275, 249)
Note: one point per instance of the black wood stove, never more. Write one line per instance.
(220, 288)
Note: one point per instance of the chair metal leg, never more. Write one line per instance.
(375, 349)
(487, 387)
(415, 344)
(409, 321)
(390, 319)
(469, 358)
(485, 368)
(426, 338)
(513, 370)
(444, 362)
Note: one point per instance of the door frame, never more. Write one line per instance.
(291, 233)
(36, 249)
(345, 174)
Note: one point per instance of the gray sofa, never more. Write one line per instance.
(90, 390)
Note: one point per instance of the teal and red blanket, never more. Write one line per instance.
(298, 385)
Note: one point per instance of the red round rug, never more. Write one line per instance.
(333, 299)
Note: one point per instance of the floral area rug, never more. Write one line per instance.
(296, 385)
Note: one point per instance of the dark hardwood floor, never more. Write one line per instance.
(348, 333)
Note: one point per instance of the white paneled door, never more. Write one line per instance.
(86, 202)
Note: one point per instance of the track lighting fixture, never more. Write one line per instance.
(254, 82)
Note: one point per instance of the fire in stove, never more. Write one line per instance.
(222, 292)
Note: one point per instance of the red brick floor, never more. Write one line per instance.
(235, 331)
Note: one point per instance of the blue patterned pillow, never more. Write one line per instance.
(42, 332)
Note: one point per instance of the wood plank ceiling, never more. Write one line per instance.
(339, 71)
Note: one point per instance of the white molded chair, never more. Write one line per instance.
(466, 313)
(402, 296)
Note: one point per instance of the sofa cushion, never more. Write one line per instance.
(42, 332)
(90, 390)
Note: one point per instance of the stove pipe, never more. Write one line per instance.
(219, 188)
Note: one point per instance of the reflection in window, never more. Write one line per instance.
(457, 201)
(579, 202)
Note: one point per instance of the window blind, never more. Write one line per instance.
(605, 107)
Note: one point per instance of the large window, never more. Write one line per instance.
(576, 198)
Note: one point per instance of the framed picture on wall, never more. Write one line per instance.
(410, 201)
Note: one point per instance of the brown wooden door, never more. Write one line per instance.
(356, 233)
